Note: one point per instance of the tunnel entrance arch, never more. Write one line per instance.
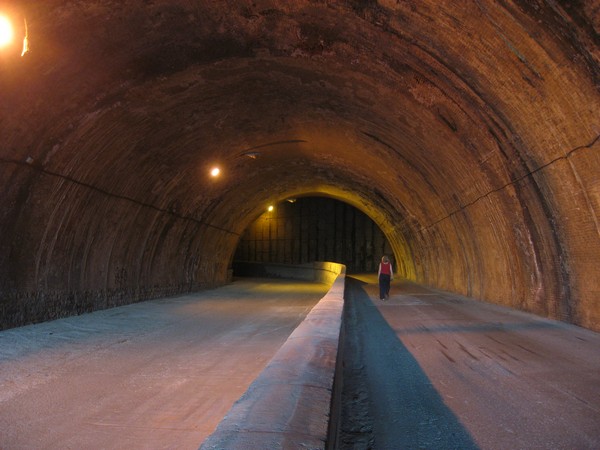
(306, 229)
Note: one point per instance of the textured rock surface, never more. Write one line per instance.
(468, 131)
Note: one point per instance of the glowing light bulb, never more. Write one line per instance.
(6, 31)
(215, 171)
(270, 208)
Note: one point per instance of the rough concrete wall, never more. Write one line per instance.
(503, 249)
(70, 248)
(96, 251)
(468, 131)
(314, 229)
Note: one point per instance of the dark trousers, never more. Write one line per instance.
(384, 285)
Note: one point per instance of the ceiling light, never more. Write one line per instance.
(6, 32)
(270, 208)
(215, 172)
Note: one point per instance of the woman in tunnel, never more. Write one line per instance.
(385, 275)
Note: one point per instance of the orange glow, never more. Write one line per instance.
(25, 40)
(6, 32)
(215, 172)
(270, 208)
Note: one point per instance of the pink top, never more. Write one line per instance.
(385, 268)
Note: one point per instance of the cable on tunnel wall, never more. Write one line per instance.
(40, 169)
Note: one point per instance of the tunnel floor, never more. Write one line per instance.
(158, 374)
(425, 369)
(428, 369)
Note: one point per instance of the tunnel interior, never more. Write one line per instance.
(468, 132)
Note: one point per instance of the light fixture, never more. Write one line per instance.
(7, 34)
(291, 200)
(270, 208)
(6, 31)
(215, 172)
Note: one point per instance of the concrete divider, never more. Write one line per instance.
(322, 271)
(289, 404)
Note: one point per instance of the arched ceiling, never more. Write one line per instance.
(467, 130)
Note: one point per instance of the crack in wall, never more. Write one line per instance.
(512, 182)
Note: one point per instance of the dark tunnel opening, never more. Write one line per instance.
(307, 229)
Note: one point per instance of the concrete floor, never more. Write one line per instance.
(431, 370)
(423, 370)
(154, 375)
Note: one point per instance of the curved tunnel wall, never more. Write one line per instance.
(468, 132)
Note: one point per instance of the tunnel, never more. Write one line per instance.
(468, 132)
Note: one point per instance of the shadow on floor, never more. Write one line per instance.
(388, 402)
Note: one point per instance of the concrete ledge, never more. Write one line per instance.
(290, 402)
(321, 271)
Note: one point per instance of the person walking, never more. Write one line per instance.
(385, 275)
